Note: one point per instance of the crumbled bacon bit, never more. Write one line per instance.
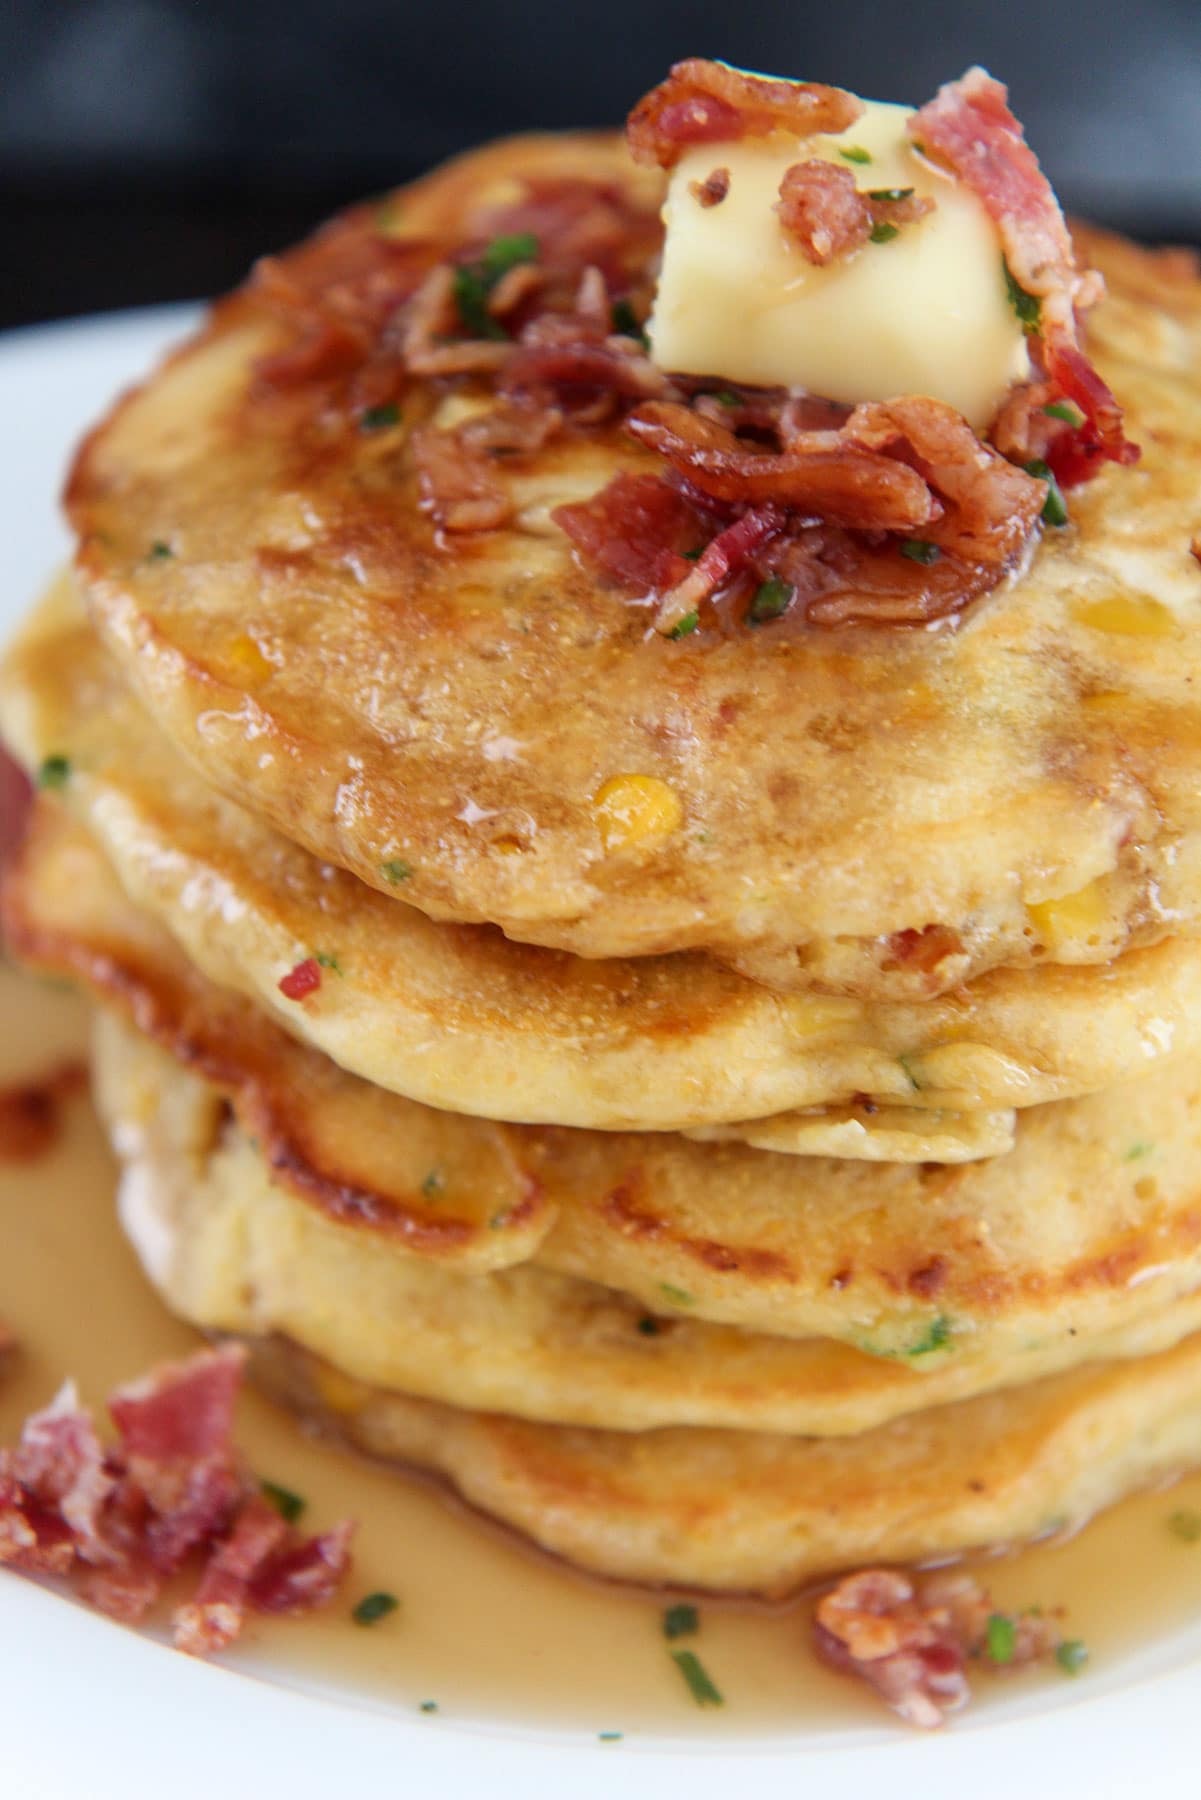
(16, 793)
(301, 981)
(922, 950)
(728, 553)
(456, 484)
(712, 190)
(120, 1520)
(823, 211)
(635, 529)
(431, 344)
(31, 1115)
(969, 127)
(911, 1641)
(709, 102)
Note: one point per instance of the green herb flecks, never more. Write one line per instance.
(1186, 1525)
(396, 871)
(883, 233)
(677, 1296)
(686, 626)
(649, 1326)
(373, 1607)
(326, 961)
(889, 193)
(434, 1184)
(381, 418)
(429, 1706)
(609, 1737)
(1072, 1655)
(286, 1503)
(1028, 307)
(680, 1621)
(693, 555)
(906, 1063)
(1055, 507)
(772, 598)
(700, 1685)
(937, 1337)
(474, 282)
(854, 153)
(727, 397)
(625, 323)
(920, 550)
(1137, 1151)
(1000, 1639)
(1067, 410)
(159, 551)
(54, 772)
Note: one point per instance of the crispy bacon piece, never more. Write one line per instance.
(574, 355)
(456, 484)
(301, 981)
(724, 557)
(635, 529)
(122, 1520)
(824, 212)
(709, 102)
(16, 793)
(969, 127)
(822, 474)
(713, 189)
(911, 1642)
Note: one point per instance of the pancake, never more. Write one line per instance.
(230, 1249)
(462, 1018)
(1088, 1226)
(750, 1512)
(459, 705)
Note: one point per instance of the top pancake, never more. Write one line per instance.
(450, 709)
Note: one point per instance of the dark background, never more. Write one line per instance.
(150, 148)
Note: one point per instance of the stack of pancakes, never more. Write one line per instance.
(739, 1113)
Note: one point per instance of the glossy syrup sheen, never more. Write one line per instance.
(486, 1630)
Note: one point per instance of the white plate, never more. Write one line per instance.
(90, 1711)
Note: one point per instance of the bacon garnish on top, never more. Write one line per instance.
(828, 216)
(119, 1521)
(709, 102)
(969, 128)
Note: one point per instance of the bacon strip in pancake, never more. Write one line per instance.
(969, 127)
(709, 102)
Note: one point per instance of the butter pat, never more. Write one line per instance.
(925, 313)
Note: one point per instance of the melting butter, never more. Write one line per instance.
(924, 313)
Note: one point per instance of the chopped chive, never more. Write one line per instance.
(1000, 1638)
(396, 871)
(373, 1607)
(648, 1326)
(693, 555)
(380, 418)
(1055, 507)
(1185, 1524)
(889, 193)
(471, 298)
(937, 1337)
(429, 1706)
(625, 322)
(854, 153)
(883, 233)
(504, 253)
(54, 771)
(325, 961)
(910, 1077)
(1028, 307)
(687, 624)
(727, 397)
(920, 550)
(772, 598)
(609, 1737)
(1137, 1150)
(434, 1183)
(680, 1621)
(159, 551)
(499, 1220)
(1072, 1655)
(677, 1296)
(286, 1503)
(1066, 410)
(700, 1686)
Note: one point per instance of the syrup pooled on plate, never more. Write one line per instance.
(486, 1631)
